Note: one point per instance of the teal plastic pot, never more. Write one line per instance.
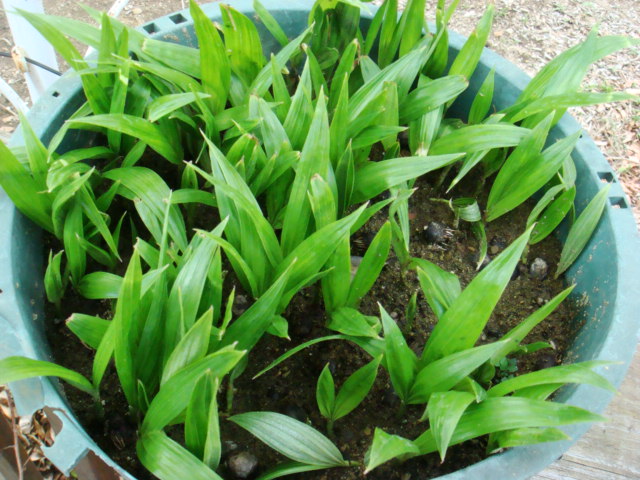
(606, 273)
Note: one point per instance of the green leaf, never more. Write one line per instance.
(293, 439)
(295, 350)
(411, 32)
(355, 389)
(87, 328)
(252, 324)
(96, 95)
(243, 44)
(371, 265)
(461, 325)
(443, 374)
(581, 231)
(312, 254)
(23, 190)
(401, 362)
(574, 373)
(13, 369)
(326, 393)
(544, 201)
(271, 24)
(496, 414)
(152, 193)
(201, 426)
(350, 321)
(525, 436)
(166, 104)
(482, 103)
(213, 443)
(53, 283)
(444, 411)
(403, 72)
(342, 74)
(375, 177)
(279, 327)
(103, 355)
(135, 127)
(314, 160)
(564, 73)
(118, 100)
(192, 347)
(431, 95)
(168, 460)
(553, 216)
(86, 201)
(563, 101)
(288, 468)
(185, 297)
(440, 288)
(215, 70)
(526, 170)
(386, 447)
(263, 80)
(322, 201)
(467, 59)
(197, 415)
(475, 138)
(175, 394)
(37, 153)
(387, 46)
(103, 285)
(126, 327)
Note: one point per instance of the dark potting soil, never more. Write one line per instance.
(290, 387)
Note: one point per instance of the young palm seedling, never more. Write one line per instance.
(355, 389)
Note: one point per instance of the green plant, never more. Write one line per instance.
(355, 388)
(217, 158)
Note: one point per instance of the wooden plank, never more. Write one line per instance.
(565, 469)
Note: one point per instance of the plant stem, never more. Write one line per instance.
(330, 428)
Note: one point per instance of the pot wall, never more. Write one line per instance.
(606, 272)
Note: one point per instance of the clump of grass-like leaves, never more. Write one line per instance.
(283, 151)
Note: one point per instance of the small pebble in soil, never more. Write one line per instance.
(240, 304)
(539, 269)
(436, 233)
(228, 447)
(546, 360)
(242, 465)
(294, 411)
(496, 245)
(519, 270)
